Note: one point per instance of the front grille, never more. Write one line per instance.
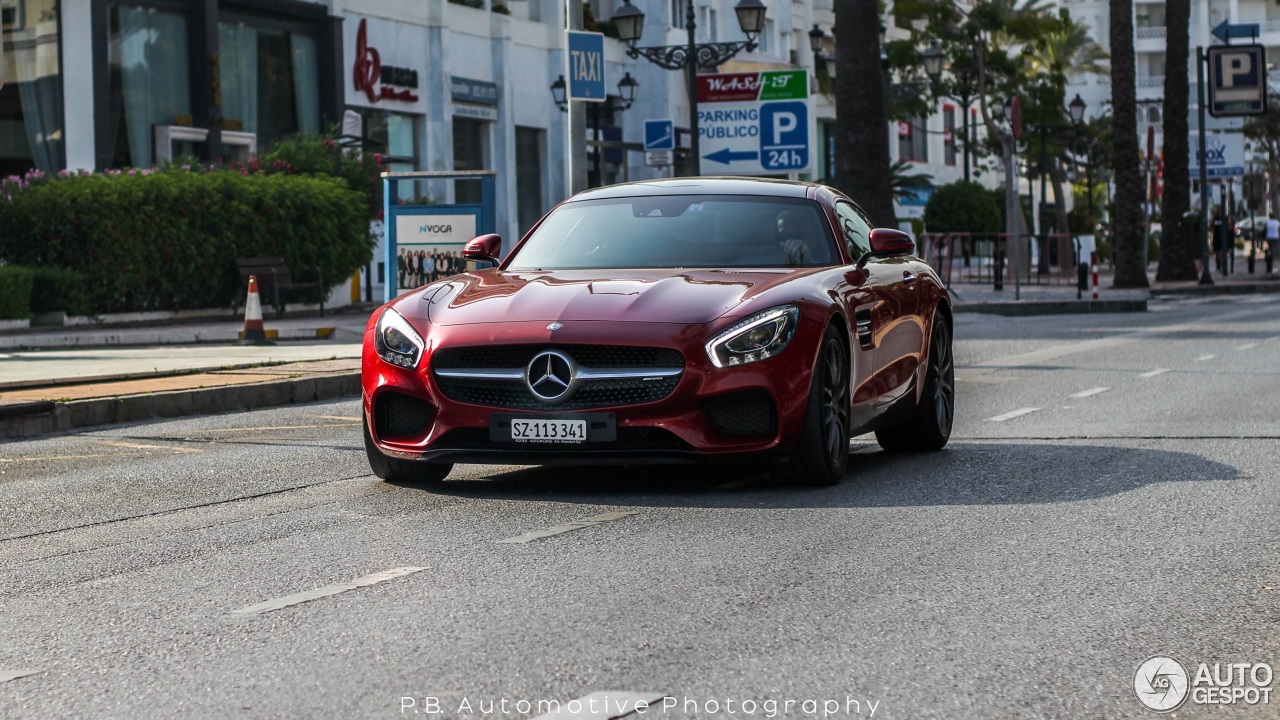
(592, 356)
(749, 413)
(590, 394)
(401, 416)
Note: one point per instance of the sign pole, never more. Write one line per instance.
(1205, 277)
(576, 127)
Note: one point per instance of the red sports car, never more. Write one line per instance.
(686, 320)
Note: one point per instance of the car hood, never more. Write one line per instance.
(670, 296)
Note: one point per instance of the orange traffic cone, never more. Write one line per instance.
(253, 332)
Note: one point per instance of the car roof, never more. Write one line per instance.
(700, 186)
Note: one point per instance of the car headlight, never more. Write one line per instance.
(755, 338)
(396, 341)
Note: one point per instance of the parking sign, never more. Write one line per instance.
(1237, 80)
(755, 123)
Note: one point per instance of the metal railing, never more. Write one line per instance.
(985, 258)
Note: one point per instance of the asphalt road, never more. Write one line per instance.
(1110, 494)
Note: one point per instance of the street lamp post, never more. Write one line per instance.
(629, 20)
(627, 87)
(963, 90)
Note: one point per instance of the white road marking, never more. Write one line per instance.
(326, 591)
(1153, 373)
(567, 527)
(1202, 358)
(605, 705)
(1247, 346)
(7, 675)
(1090, 391)
(1013, 414)
(140, 446)
(276, 427)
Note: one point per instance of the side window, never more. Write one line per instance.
(856, 229)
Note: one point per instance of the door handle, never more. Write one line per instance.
(908, 278)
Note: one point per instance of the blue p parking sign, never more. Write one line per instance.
(784, 135)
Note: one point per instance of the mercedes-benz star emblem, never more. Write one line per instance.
(554, 326)
(551, 376)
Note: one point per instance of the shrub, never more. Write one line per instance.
(316, 155)
(55, 288)
(169, 240)
(15, 293)
(962, 207)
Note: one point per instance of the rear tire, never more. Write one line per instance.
(403, 472)
(929, 427)
(822, 453)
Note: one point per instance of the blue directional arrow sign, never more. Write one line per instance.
(659, 135)
(725, 156)
(1226, 30)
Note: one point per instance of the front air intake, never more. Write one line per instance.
(400, 416)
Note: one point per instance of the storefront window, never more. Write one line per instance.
(528, 177)
(393, 136)
(270, 83)
(150, 83)
(30, 89)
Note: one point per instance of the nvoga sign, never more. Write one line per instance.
(1223, 155)
(755, 123)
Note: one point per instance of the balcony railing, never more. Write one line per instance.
(1151, 81)
(1151, 33)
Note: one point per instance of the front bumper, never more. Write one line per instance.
(676, 429)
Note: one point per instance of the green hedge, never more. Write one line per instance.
(15, 293)
(962, 207)
(54, 288)
(169, 240)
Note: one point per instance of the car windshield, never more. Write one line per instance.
(680, 231)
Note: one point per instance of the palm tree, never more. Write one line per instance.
(1129, 236)
(1177, 256)
(904, 181)
(1059, 53)
(862, 137)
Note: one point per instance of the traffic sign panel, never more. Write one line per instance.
(1237, 80)
(586, 66)
(659, 135)
(659, 158)
(755, 123)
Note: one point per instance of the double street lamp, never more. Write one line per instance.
(629, 21)
(627, 87)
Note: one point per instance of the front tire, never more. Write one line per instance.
(929, 427)
(402, 472)
(822, 454)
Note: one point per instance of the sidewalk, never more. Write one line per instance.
(98, 375)
(1050, 299)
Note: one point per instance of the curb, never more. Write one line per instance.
(1052, 307)
(52, 417)
(1222, 289)
(159, 337)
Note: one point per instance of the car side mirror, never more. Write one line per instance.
(486, 247)
(887, 242)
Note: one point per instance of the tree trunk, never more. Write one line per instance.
(862, 121)
(1128, 235)
(1178, 254)
(1058, 176)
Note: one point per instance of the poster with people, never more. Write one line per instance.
(429, 247)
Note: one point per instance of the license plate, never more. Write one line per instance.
(548, 431)
(553, 429)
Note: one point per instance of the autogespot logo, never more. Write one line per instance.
(1161, 683)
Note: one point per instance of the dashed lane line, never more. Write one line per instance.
(1013, 414)
(1247, 346)
(1203, 358)
(1153, 373)
(7, 675)
(327, 591)
(605, 705)
(1090, 392)
(567, 527)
